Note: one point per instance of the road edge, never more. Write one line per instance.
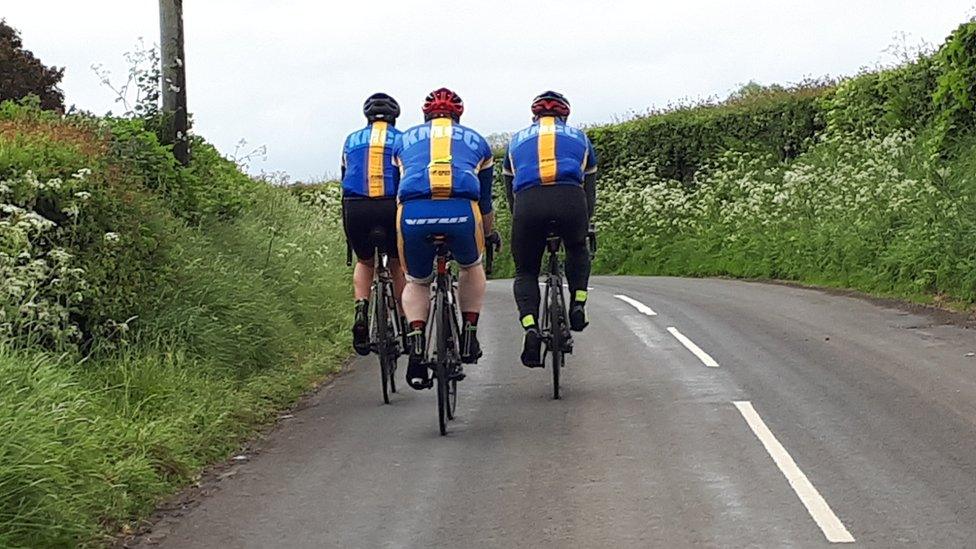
(175, 507)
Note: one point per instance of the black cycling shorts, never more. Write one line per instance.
(362, 216)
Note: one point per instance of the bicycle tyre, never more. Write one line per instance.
(450, 320)
(394, 329)
(441, 368)
(452, 399)
(557, 318)
(383, 340)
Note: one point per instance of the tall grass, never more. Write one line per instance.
(190, 320)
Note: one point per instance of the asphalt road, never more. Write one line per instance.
(791, 418)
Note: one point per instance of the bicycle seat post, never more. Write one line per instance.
(553, 240)
(440, 249)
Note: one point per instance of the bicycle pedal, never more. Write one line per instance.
(456, 376)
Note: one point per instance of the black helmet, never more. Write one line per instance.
(550, 103)
(381, 106)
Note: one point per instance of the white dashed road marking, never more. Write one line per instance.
(706, 359)
(831, 526)
(637, 305)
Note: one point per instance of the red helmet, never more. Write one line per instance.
(443, 102)
(550, 103)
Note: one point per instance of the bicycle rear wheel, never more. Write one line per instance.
(557, 317)
(453, 343)
(383, 340)
(442, 398)
(451, 398)
(441, 370)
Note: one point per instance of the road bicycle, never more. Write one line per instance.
(554, 328)
(444, 331)
(386, 330)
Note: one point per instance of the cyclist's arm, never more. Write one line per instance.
(508, 174)
(486, 177)
(509, 192)
(589, 185)
(488, 220)
(589, 179)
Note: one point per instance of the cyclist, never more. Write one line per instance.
(446, 174)
(550, 182)
(369, 186)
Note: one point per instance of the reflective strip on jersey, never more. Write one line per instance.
(377, 153)
(442, 159)
(367, 162)
(547, 150)
(440, 169)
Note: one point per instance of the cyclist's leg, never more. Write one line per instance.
(573, 223)
(399, 278)
(529, 226)
(392, 248)
(417, 256)
(467, 239)
(358, 222)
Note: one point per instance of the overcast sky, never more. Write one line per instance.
(292, 74)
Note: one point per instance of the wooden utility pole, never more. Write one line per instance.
(174, 77)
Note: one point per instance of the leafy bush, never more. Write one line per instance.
(955, 96)
(682, 141)
(68, 208)
(880, 198)
(878, 103)
(184, 305)
(22, 74)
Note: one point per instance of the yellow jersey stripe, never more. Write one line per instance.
(479, 227)
(547, 150)
(401, 247)
(375, 170)
(439, 170)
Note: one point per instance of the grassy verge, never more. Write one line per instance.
(153, 317)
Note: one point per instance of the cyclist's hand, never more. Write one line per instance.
(591, 240)
(495, 241)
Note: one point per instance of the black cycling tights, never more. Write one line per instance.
(563, 207)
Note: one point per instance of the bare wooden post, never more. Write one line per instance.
(174, 77)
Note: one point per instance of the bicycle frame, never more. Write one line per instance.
(382, 295)
(443, 327)
(444, 309)
(553, 325)
(385, 326)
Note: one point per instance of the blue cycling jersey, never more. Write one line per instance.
(367, 162)
(443, 159)
(549, 152)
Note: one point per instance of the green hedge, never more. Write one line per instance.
(866, 183)
(780, 122)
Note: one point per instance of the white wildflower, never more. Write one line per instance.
(31, 179)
